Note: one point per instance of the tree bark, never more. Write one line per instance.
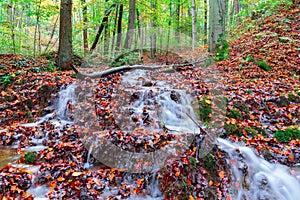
(119, 29)
(236, 11)
(131, 19)
(85, 32)
(217, 15)
(153, 30)
(65, 51)
(205, 21)
(194, 25)
(101, 27)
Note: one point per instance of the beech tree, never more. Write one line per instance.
(65, 51)
(217, 16)
(131, 20)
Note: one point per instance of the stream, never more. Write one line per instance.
(156, 105)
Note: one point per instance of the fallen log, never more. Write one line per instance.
(175, 67)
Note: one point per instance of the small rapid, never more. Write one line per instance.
(255, 178)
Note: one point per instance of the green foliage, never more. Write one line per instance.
(205, 109)
(248, 91)
(263, 65)
(211, 165)
(260, 130)
(251, 131)
(222, 49)
(233, 113)
(232, 129)
(287, 135)
(5, 79)
(30, 157)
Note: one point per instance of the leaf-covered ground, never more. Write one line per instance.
(261, 90)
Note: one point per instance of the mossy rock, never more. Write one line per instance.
(287, 135)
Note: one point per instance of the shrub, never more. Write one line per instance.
(205, 109)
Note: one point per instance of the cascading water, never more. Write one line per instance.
(255, 178)
(156, 101)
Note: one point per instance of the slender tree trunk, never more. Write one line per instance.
(194, 25)
(119, 29)
(114, 30)
(36, 27)
(177, 28)
(236, 11)
(65, 51)
(217, 15)
(52, 34)
(205, 22)
(131, 20)
(85, 31)
(169, 28)
(101, 27)
(153, 30)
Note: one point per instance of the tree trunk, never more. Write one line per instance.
(65, 51)
(114, 31)
(101, 27)
(194, 25)
(85, 32)
(119, 29)
(205, 22)
(153, 30)
(236, 11)
(52, 34)
(131, 19)
(36, 27)
(217, 15)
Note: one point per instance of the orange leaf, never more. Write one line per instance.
(77, 173)
(111, 176)
(221, 174)
(52, 184)
(177, 174)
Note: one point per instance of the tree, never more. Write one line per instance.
(85, 32)
(131, 19)
(65, 51)
(194, 24)
(217, 16)
(102, 26)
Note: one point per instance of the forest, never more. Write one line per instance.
(142, 99)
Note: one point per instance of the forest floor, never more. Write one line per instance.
(261, 89)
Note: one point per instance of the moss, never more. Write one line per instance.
(232, 129)
(287, 135)
(263, 65)
(210, 164)
(29, 157)
(260, 130)
(233, 113)
(251, 131)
